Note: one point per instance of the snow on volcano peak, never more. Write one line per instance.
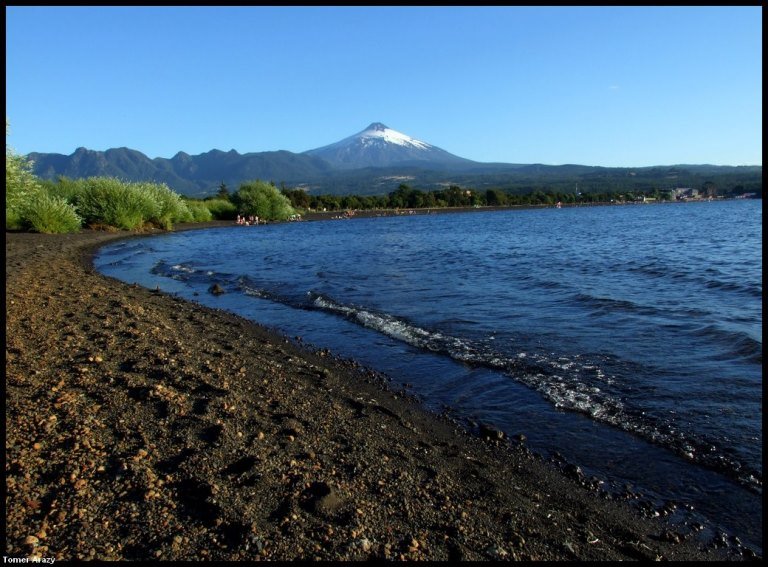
(380, 131)
(381, 146)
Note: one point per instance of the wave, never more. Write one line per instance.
(710, 278)
(737, 345)
(579, 383)
(181, 271)
(726, 344)
(738, 287)
(122, 254)
(184, 268)
(606, 305)
(570, 384)
(126, 247)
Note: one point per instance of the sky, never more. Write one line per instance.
(606, 86)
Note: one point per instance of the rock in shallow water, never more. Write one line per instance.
(216, 289)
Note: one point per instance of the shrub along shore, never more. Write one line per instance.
(143, 427)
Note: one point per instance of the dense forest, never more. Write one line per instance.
(528, 179)
(406, 197)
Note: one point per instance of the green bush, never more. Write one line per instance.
(64, 187)
(49, 214)
(109, 201)
(62, 206)
(199, 211)
(221, 209)
(263, 200)
(13, 219)
(171, 207)
(20, 185)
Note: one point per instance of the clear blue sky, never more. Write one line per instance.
(610, 86)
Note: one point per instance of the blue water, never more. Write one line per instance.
(628, 339)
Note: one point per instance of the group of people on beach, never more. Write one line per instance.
(247, 221)
(254, 220)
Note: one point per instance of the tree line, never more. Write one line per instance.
(406, 197)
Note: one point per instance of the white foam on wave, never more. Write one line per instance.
(183, 268)
(254, 292)
(565, 390)
(570, 384)
(390, 326)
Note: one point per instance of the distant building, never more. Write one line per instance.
(682, 193)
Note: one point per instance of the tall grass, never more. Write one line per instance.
(13, 220)
(64, 187)
(66, 204)
(105, 200)
(199, 211)
(20, 185)
(221, 208)
(62, 206)
(49, 214)
(171, 207)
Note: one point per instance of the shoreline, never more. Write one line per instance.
(144, 427)
(367, 213)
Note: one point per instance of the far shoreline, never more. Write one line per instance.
(368, 213)
(348, 214)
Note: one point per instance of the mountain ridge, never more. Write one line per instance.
(373, 161)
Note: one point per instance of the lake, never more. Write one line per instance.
(624, 339)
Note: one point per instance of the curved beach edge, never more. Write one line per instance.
(142, 427)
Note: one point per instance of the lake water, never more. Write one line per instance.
(624, 339)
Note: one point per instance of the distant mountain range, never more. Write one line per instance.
(372, 162)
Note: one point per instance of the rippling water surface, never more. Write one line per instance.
(627, 339)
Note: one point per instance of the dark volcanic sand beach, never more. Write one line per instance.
(143, 427)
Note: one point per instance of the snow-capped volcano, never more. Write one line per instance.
(380, 146)
(378, 131)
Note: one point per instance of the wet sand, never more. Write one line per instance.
(143, 427)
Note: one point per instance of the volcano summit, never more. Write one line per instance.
(381, 146)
